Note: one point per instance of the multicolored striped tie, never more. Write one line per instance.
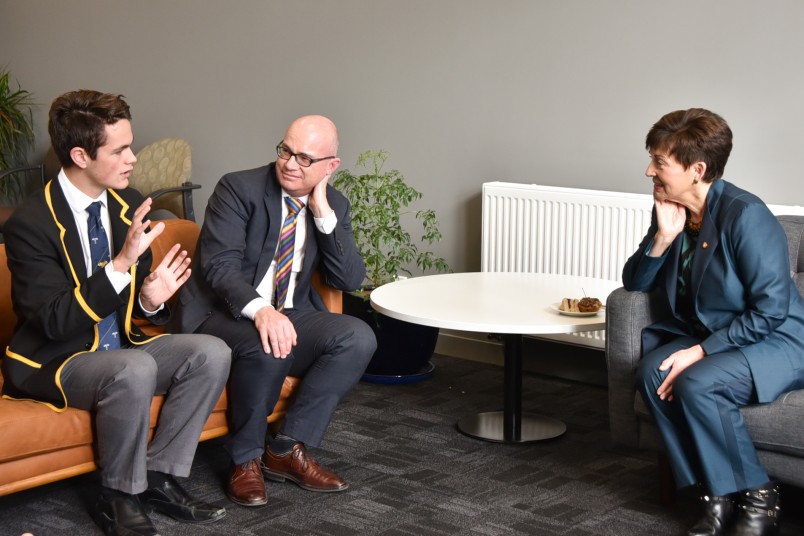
(99, 255)
(284, 253)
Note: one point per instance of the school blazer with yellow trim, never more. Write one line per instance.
(57, 305)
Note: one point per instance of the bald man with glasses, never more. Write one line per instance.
(266, 231)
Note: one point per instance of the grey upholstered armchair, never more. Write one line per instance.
(776, 428)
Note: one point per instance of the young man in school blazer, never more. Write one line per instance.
(81, 270)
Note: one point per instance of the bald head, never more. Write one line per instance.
(315, 129)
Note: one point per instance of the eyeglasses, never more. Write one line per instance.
(302, 159)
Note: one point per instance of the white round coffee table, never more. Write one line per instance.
(509, 303)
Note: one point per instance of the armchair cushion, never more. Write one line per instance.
(794, 228)
(164, 167)
(778, 426)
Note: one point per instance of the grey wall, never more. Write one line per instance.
(459, 91)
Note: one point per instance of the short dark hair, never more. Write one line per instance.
(694, 135)
(79, 119)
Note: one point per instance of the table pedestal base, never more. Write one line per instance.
(489, 426)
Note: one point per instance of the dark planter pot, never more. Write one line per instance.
(403, 348)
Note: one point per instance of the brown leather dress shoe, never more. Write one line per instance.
(300, 467)
(246, 485)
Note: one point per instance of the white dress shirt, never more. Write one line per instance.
(79, 201)
(267, 286)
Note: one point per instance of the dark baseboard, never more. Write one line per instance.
(562, 360)
(565, 361)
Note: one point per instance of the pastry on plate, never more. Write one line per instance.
(589, 305)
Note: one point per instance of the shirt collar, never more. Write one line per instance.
(303, 198)
(78, 200)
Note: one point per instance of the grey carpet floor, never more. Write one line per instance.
(412, 473)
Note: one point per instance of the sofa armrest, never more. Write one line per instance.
(186, 190)
(332, 297)
(184, 232)
(627, 314)
(8, 320)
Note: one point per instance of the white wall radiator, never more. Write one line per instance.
(546, 229)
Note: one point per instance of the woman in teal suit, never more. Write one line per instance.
(734, 328)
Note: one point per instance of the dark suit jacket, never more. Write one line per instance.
(56, 304)
(742, 287)
(238, 242)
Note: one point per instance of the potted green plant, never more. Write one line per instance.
(16, 134)
(380, 202)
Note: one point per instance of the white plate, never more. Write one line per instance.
(554, 307)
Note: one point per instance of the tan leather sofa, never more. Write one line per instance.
(38, 445)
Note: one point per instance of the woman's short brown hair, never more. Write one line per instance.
(694, 135)
(79, 119)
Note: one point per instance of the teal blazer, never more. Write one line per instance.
(742, 287)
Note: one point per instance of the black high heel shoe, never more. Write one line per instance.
(718, 512)
(757, 512)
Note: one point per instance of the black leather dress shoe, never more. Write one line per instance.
(169, 498)
(717, 515)
(757, 512)
(121, 514)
